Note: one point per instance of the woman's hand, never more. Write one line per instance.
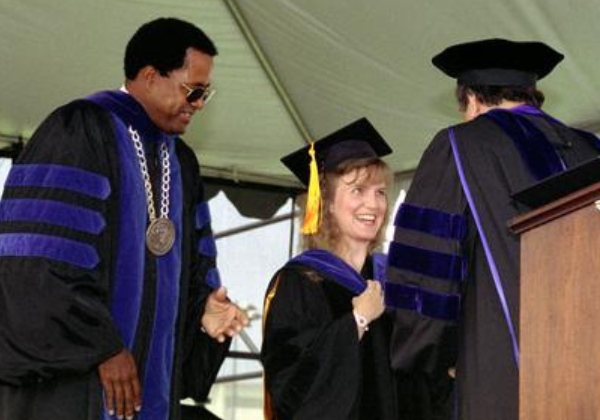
(369, 303)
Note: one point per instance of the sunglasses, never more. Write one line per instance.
(205, 93)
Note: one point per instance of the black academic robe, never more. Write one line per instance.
(315, 366)
(462, 315)
(77, 283)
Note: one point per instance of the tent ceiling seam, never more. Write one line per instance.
(266, 65)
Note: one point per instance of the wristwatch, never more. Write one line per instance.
(361, 321)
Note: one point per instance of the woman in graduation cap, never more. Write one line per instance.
(326, 335)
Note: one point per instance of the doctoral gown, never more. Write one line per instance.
(77, 283)
(315, 366)
(457, 262)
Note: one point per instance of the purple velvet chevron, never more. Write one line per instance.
(431, 221)
(427, 262)
(52, 212)
(213, 278)
(207, 246)
(202, 215)
(58, 176)
(56, 248)
(427, 303)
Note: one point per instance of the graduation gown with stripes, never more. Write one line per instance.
(77, 283)
(457, 264)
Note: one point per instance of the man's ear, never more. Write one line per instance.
(148, 75)
(474, 107)
(472, 102)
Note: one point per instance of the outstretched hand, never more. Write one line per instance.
(222, 318)
(122, 391)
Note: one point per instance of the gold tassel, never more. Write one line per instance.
(312, 217)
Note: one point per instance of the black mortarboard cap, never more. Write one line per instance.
(498, 62)
(358, 139)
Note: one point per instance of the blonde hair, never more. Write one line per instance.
(329, 233)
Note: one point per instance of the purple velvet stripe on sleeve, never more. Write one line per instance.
(213, 278)
(59, 176)
(537, 152)
(53, 213)
(202, 215)
(486, 247)
(432, 222)
(430, 304)
(426, 262)
(51, 247)
(207, 246)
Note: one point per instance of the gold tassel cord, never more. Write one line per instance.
(268, 411)
(312, 217)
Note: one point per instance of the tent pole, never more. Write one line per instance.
(12, 138)
(292, 230)
(252, 226)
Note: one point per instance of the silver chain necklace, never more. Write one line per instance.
(160, 235)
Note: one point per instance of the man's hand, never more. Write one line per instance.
(222, 318)
(119, 378)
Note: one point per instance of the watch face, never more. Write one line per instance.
(361, 320)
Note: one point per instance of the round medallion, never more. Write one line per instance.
(160, 236)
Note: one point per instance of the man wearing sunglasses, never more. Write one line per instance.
(110, 300)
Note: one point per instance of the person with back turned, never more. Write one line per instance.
(453, 256)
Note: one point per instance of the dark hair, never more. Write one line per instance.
(328, 235)
(162, 43)
(493, 95)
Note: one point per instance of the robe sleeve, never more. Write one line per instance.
(311, 359)
(55, 249)
(427, 268)
(202, 355)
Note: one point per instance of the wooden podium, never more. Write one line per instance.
(560, 309)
